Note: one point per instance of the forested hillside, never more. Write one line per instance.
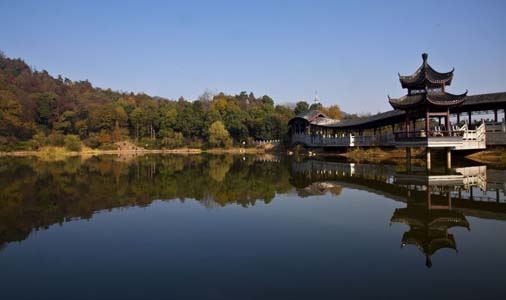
(37, 109)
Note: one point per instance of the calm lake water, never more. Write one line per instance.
(233, 227)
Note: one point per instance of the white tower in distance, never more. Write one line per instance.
(316, 98)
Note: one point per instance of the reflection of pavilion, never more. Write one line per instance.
(466, 178)
(436, 201)
(429, 227)
(430, 220)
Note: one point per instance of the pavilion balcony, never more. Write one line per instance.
(316, 140)
(460, 138)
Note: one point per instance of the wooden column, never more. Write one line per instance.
(427, 122)
(448, 158)
(496, 119)
(429, 200)
(469, 115)
(407, 126)
(449, 199)
(458, 118)
(428, 159)
(448, 120)
(408, 159)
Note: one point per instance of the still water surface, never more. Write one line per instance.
(223, 227)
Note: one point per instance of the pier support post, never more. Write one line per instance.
(448, 158)
(428, 159)
(408, 159)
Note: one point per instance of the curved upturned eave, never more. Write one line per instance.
(426, 74)
(434, 76)
(397, 103)
(453, 100)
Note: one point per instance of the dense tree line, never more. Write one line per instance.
(37, 109)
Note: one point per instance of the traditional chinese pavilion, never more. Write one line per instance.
(427, 97)
(411, 123)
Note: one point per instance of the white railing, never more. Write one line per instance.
(471, 138)
(343, 140)
(477, 134)
(324, 140)
(265, 142)
(496, 126)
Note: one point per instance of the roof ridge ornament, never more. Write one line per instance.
(424, 57)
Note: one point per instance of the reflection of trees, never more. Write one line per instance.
(219, 167)
(36, 194)
(336, 190)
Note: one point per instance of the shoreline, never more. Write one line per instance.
(57, 151)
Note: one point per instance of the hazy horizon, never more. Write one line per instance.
(349, 52)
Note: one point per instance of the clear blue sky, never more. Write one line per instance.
(350, 52)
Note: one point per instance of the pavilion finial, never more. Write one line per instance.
(424, 57)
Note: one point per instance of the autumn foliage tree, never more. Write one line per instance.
(116, 134)
(36, 106)
(219, 136)
(333, 112)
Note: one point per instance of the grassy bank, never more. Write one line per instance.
(55, 153)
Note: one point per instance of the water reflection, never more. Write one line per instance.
(36, 194)
(435, 202)
(429, 223)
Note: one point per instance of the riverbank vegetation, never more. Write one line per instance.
(38, 110)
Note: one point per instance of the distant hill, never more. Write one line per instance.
(37, 109)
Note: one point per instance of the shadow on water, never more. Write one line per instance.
(36, 194)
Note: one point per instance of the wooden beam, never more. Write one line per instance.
(437, 114)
